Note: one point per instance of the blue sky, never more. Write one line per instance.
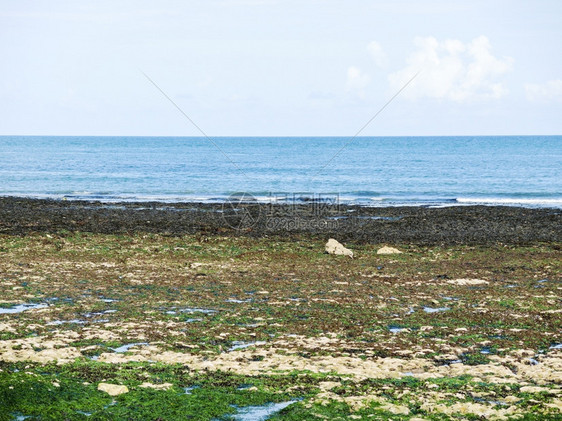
(286, 68)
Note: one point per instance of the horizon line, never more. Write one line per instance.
(276, 136)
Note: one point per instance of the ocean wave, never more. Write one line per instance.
(297, 198)
(539, 202)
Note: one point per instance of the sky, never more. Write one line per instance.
(281, 68)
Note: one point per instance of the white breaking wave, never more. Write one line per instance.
(345, 199)
(511, 201)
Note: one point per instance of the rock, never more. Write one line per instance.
(113, 389)
(533, 389)
(335, 247)
(328, 385)
(388, 250)
(462, 281)
(396, 409)
(163, 386)
(196, 265)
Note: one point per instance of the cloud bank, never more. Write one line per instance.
(453, 70)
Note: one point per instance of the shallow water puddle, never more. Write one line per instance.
(190, 310)
(241, 345)
(189, 389)
(197, 310)
(482, 400)
(435, 310)
(113, 402)
(260, 412)
(234, 300)
(381, 218)
(101, 321)
(395, 329)
(21, 307)
(60, 322)
(125, 348)
(99, 313)
(556, 346)
(252, 325)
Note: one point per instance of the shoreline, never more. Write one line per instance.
(453, 225)
(364, 199)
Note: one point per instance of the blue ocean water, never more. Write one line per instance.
(373, 171)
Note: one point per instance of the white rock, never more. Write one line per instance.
(113, 389)
(388, 250)
(335, 247)
(462, 281)
(163, 386)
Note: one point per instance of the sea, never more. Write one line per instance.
(369, 171)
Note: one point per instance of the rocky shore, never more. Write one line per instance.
(224, 311)
(414, 225)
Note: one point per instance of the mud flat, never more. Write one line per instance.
(153, 313)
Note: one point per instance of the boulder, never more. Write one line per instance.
(113, 389)
(335, 247)
(388, 250)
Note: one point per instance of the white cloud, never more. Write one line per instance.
(357, 81)
(378, 54)
(549, 91)
(453, 70)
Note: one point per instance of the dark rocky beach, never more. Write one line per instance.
(414, 225)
